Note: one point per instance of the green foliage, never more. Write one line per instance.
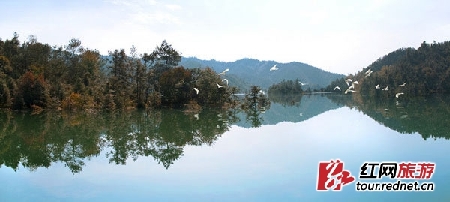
(206, 80)
(338, 82)
(165, 54)
(424, 70)
(175, 86)
(32, 90)
(36, 75)
(286, 87)
(7, 83)
(120, 78)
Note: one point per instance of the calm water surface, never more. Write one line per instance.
(169, 155)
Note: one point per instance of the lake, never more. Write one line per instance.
(222, 155)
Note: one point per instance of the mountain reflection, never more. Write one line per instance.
(428, 116)
(39, 140)
(291, 108)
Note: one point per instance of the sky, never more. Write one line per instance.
(337, 36)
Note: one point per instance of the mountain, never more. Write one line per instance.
(414, 72)
(247, 72)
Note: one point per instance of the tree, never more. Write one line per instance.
(121, 78)
(165, 54)
(7, 83)
(206, 80)
(32, 90)
(175, 86)
(284, 87)
(139, 77)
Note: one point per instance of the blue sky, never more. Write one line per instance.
(337, 36)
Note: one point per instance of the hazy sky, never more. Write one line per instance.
(338, 36)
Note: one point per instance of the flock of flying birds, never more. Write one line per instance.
(274, 68)
(351, 85)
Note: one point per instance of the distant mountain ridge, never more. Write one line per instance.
(247, 72)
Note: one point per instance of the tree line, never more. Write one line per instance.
(425, 71)
(38, 76)
(286, 87)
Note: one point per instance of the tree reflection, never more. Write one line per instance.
(288, 99)
(255, 103)
(39, 140)
(428, 116)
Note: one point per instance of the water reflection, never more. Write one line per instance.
(292, 108)
(253, 106)
(428, 116)
(289, 99)
(39, 140)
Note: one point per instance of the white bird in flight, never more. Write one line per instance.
(348, 90)
(196, 90)
(368, 72)
(398, 94)
(196, 116)
(219, 86)
(337, 87)
(302, 83)
(403, 85)
(353, 85)
(226, 81)
(348, 81)
(387, 87)
(274, 68)
(224, 71)
(377, 87)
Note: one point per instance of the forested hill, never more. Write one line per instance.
(414, 72)
(246, 72)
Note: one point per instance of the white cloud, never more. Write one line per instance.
(133, 3)
(173, 7)
(148, 12)
(377, 4)
(157, 17)
(151, 2)
(316, 17)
